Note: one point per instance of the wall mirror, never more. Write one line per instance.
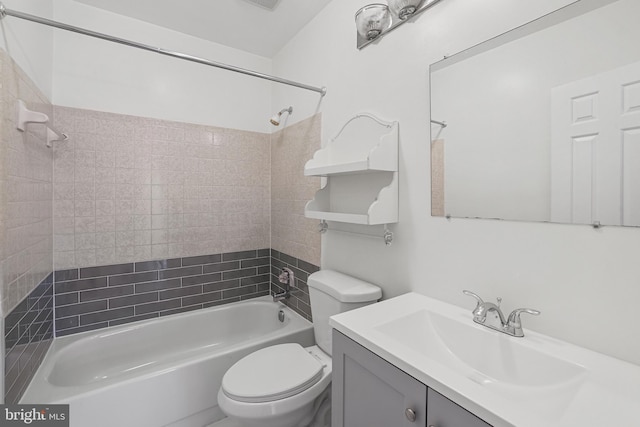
(543, 122)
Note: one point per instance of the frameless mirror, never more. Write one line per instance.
(543, 122)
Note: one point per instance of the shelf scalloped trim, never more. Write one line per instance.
(358, 155)
(382, 210)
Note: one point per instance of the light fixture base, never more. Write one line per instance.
(403, 17)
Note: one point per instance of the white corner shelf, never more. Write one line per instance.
(361, 167)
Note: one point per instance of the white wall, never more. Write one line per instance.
(585, 281)
(30, 44)
(98, 75)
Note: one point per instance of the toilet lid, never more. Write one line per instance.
(272, 373)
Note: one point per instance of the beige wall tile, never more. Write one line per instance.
(157, 189)
(291, 233)
(26, 191)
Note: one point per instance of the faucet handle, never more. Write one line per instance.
(514, 322)
(476, 296)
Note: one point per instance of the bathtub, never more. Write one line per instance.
(161, 372)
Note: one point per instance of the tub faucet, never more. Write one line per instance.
(287, 278)
(510, 326)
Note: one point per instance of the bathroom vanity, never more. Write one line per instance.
(416, 361)
(369, 391)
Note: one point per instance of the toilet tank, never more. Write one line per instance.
(332, 293)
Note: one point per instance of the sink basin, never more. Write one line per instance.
(485, 356)
(532, 381)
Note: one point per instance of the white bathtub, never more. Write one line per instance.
(163, 372)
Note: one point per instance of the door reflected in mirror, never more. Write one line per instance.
(543, 122)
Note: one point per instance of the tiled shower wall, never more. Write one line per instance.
(25, 190)
(26, 230)
(131, 189)
(291, 232)
(295, 240)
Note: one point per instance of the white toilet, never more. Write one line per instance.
(287, 385)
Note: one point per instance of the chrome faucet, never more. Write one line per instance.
(287, 278)
(511, 326)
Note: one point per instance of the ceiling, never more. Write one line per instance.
(239, 24)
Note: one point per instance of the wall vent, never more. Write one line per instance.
(265, 4)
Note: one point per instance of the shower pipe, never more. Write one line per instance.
(8, 12)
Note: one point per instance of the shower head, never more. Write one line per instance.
(275, 120)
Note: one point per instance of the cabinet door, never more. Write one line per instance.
(368, 391)
(441, 412)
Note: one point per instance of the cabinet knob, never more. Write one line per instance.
(410, 414)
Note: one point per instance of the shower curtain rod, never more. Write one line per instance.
(8, 12)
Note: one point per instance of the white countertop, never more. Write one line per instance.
(605, 393)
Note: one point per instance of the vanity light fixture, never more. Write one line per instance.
(372, 20)
(403, 9)
(376, 20)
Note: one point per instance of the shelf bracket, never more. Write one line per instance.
(387, 236)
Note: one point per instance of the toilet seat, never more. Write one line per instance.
(272, 373)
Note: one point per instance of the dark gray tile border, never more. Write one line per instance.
(68, 322)
(202, 298)
(98, 294)
(124, 279)
(237, 274)
(81, 308)
(264, 278)
(233, 256)
(105, 316)
(257, 262)
(157, 306)
(133, 300)
(203, 259)
(146, 290)
(180, 272)
(204, 278)
(181, 292)
(220, 286)
(221, 266)
(27, 335)
(158, 285)
(80, 285)
(158, 265)
(238, 292)
(64, 275)
(106, 270)
(66, 299)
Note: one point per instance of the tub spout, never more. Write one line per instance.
(281, 296)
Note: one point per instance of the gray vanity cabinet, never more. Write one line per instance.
(441, 412)
(368, 391)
